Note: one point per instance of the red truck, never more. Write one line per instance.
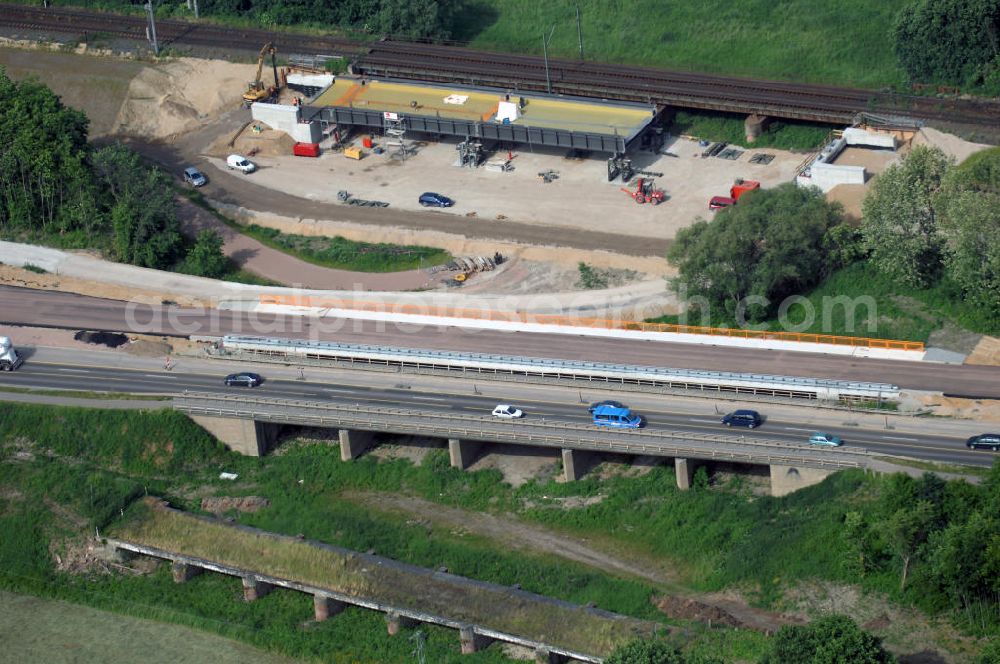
(741, 187)
(306, 149)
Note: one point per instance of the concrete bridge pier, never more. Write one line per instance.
(786, 479)
(543, 656)
(684, 470)
(755, 125)
(471, 641)
(394, 622)
(183, 572)
(324, 607)
(253, 589)
(463, 452)
(576, 463)
(247, 437)
(353, 442)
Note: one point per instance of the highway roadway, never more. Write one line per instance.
(22, 306)
(38, 374)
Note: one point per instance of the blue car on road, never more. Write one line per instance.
(622, 418)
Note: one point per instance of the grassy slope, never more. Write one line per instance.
(713, 539)
(844, 43)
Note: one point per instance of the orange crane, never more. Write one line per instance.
(256, 90)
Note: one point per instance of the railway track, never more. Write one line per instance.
(452, 64)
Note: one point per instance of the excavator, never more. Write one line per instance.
(256, 90)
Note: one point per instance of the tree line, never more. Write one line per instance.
(926, 223)
(56, 188)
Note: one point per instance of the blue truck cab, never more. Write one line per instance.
(622, 418)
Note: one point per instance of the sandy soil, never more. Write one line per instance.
(850, 196)
(15, 276)
(985, 410)
(987, 351)
(951, 145)
(458, 245)
(489, 197)
(173, 97)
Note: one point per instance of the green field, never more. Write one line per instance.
(55, 489)
(38, 630)
(845, 42)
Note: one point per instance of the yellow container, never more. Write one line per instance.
(352, 153)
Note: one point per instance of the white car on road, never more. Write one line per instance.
(240, 163)
(507, 412)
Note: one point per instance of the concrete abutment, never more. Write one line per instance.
(184, 572)
(395, 622)
(684, 470)
(254, 589)
(353, 443)
(576, 463)
(463, 453)
(754, 126)
(324, 607)
(247, 437)
(787, 479)
(470, 641)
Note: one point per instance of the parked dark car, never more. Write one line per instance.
(430, 199)
(245, 379)
(984, 441)
(750, 419)
(614, 404)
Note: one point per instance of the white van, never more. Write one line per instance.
(240, 163)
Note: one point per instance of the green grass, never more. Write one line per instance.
(712, 539)
(899, 312)
(978, 471)
(794, 40)
(34, 268)
(81, 394)
(333, 252)
(343, 254)
(729, 128)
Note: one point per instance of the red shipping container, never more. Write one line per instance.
(306, 150)
(367, 142)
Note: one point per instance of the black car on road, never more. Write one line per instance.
(614, 404)
(984, 441)
(244, 379)
(750, 419)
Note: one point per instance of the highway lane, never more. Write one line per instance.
(21, 306)
(76, 377)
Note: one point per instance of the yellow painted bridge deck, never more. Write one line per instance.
(481, 106)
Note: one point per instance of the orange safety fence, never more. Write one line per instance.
(572, 321)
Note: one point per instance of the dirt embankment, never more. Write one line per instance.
(174, 97)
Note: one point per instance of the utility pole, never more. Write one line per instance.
(579, 31)
(545, 54)
(152, 27)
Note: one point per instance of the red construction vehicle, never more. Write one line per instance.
(741, 187)
(645, 192)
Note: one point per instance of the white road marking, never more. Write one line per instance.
(909, 440)
(691, 419)
(72, 370)
(431, 398)
(795, 429)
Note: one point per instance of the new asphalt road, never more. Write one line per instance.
(39, 374)
(21, 306)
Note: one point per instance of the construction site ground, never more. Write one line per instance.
(580, 198)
